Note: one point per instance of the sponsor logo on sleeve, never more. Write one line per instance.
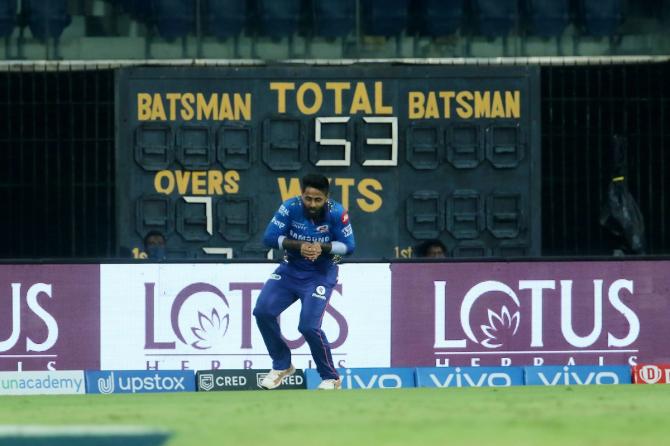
(347, 231)
(345, 218)
(277, 223)
(299, 226)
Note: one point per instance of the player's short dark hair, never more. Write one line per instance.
(316, 181)
(153, 233)
(423, 247)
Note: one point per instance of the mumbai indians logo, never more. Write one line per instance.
(106, 385)
(320, 292)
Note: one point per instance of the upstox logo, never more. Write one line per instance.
(106, 385)
(139, 382)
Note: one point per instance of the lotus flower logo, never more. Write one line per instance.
(211, 330)
(499, 326)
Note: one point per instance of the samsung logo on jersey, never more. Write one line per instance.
(307, 238)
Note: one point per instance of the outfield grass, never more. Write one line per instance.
(518, 416)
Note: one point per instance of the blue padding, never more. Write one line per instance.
(384, 17)
(367, 378)
(141, 10)
(548, 18)
(577, 375)
(602, 17)
(441, 17)
(469, 376)
(225, 18)
(174, 18)
(47, 18)
(7, 17)
(334, 18)
(496, 17)
(278, 18)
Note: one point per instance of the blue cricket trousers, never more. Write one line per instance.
(278, 293)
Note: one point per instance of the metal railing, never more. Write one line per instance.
(57, 149)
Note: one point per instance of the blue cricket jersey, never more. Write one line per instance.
(291, 221)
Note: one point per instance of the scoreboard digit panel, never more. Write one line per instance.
(205, 155)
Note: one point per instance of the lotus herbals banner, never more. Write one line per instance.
(541, 313)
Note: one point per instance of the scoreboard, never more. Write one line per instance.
(206, 155)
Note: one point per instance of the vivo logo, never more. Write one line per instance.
(505, 311)
(382, 381)
(465, 379)
(32, 295)
(567, 377)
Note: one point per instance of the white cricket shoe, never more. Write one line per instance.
(274, 377)
(330, 384)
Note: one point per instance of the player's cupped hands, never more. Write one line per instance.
(310, 251)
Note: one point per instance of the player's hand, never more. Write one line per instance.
(310, 251)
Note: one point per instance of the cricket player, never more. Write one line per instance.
(315, 231)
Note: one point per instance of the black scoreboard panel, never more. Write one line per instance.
(207, 154)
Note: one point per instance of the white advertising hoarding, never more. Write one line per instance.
(199, 317)
(42, 383)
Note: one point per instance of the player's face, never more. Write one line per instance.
(314, 200)
(435, 251)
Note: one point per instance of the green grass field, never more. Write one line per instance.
(592, 415)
